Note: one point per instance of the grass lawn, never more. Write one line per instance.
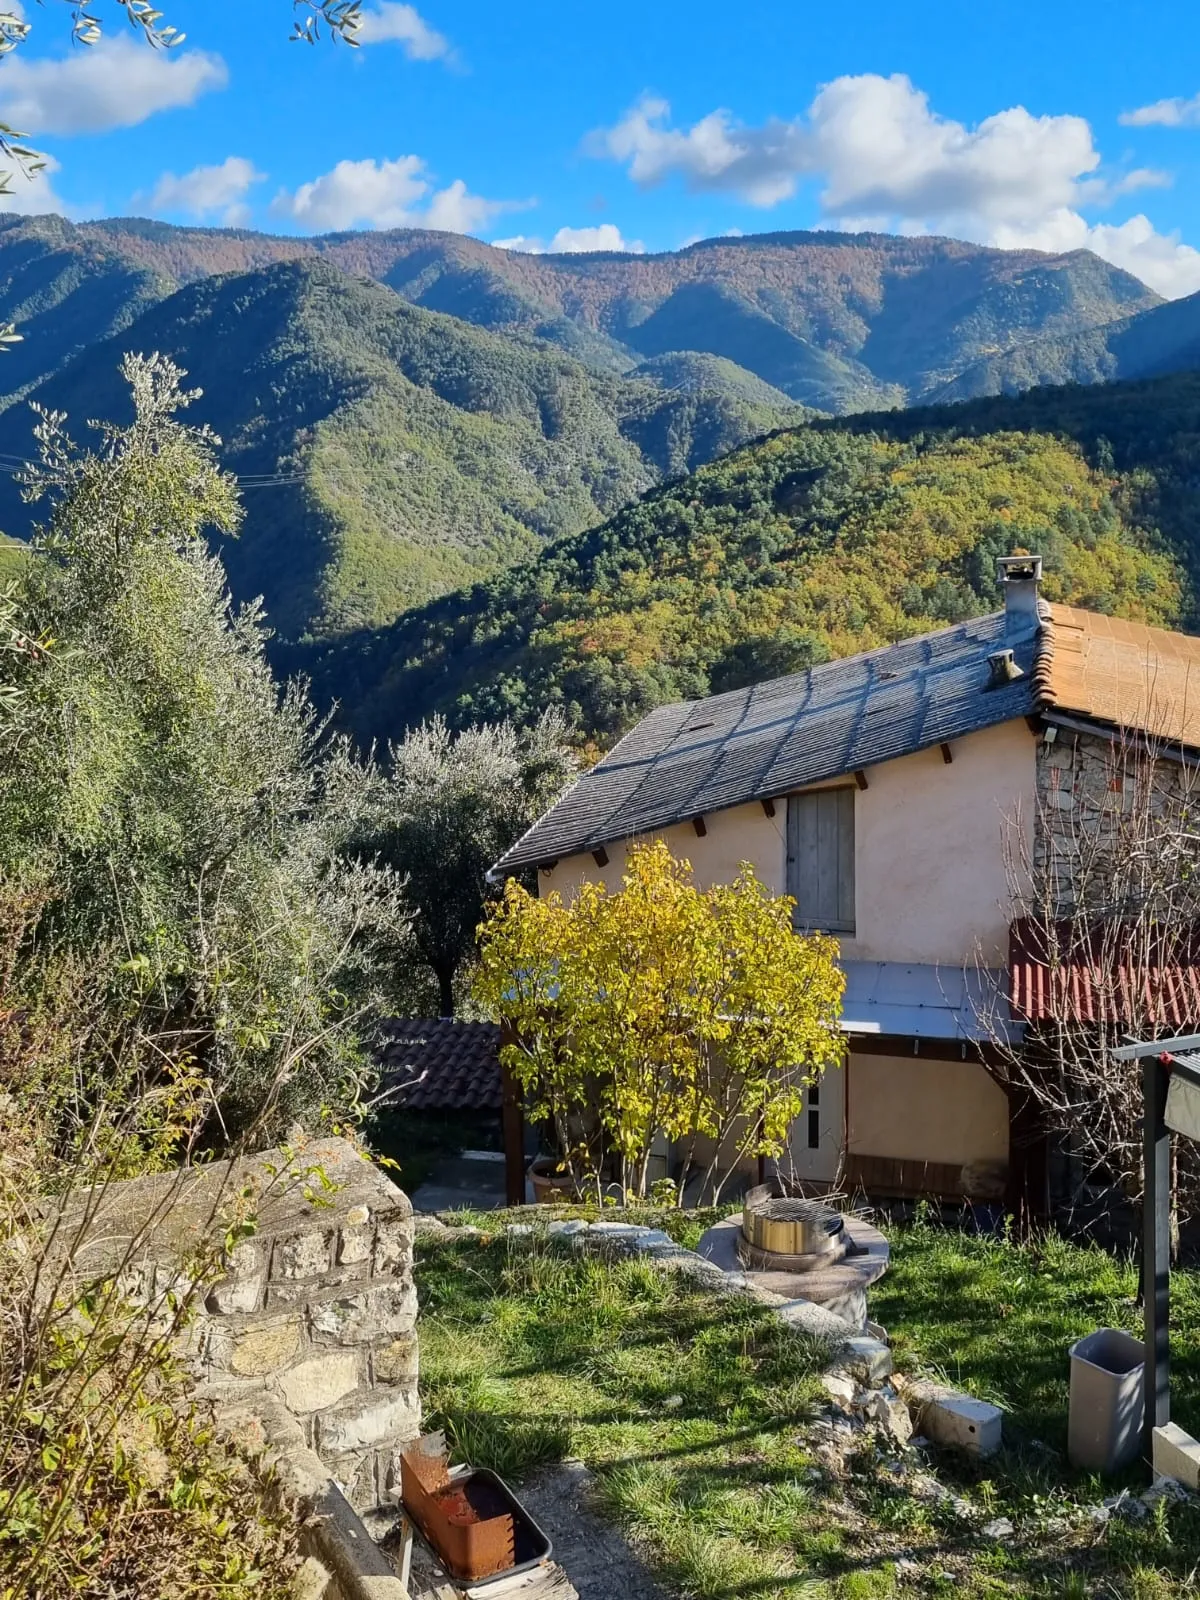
(697, 1417)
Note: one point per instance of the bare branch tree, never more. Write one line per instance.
(1105, 896)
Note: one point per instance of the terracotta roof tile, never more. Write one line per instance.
(441, 1064)
(1121, 672)
(1073, 979)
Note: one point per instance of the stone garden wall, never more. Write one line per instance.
(317, 1311)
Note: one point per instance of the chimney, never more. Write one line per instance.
(1020, 578)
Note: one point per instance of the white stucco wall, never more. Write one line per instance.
(930, 883)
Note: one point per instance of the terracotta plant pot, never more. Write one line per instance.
(550, 1186)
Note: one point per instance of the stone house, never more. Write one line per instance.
(900, 797)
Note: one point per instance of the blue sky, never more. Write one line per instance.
(1057, 125)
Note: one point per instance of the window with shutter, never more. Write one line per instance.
(820, 859)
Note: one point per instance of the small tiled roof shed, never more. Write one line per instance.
(444, 1064)
(441, 1064)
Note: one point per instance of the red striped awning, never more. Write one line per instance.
(1063, 974)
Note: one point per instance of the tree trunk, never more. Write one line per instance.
(445, 978)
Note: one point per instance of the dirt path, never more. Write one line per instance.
(593, 1554)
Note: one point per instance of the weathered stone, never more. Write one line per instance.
(354, 1244)
(393, 1246)
(357, 1472)
(802, 1316)
(564, 1229)
(306, 1255)
(869, 1360)
(888, 1411)
(653, 1239)
(380, 1312)
(840, 1388)
(297, 1294)
(233, 1296)
(321, 1381)
(255, 1351)
(398, 1362)
(356, 1216)
(375, 1419)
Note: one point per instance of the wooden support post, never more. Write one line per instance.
(947, 753)
(860, 779)
(1156, 1249)
(769, 807)
(512, 1117)
(700, 826)
(600, 857)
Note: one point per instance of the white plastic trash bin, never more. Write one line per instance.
(1104, 1433)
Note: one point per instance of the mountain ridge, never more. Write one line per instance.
(840, 321)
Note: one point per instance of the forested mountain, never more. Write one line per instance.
(390, 453)
(837, 321)
(1162, 339)
(820, 541)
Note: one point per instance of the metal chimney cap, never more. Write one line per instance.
(1002, 669)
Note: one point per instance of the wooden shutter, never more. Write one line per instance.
(820, 859)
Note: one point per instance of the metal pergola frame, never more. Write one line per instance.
(1159, 1058)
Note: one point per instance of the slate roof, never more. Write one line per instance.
(698, 756)
(441, 1064)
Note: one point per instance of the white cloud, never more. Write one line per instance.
(886, 160)
(387, 194)
(206, 190)
(1174, 113)
(34, 197)
(1161, 260)
(575, 241)
(115, 84)
(404, 25)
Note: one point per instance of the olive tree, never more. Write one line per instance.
(173, 806)
(449, 807)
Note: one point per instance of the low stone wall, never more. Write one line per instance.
(317, 1310)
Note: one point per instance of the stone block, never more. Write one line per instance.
(566, 1229)
(802, 1316)
(305, 1255)
(298, 1294)
(396, 1362)
(869, 1360)
(240, 1290)
(256, 1350)
(354, 1243)
(374, 1417)
(231, 1297)
(1177, 1455)
(956, 1421)
(320, 1381)
(383, 1311)
(393, 1246)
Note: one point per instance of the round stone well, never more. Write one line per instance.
(801, 1249)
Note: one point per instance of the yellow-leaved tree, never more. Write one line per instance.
(660, 1013)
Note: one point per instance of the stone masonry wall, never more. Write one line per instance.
(1084, 784)
(317, 1309)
